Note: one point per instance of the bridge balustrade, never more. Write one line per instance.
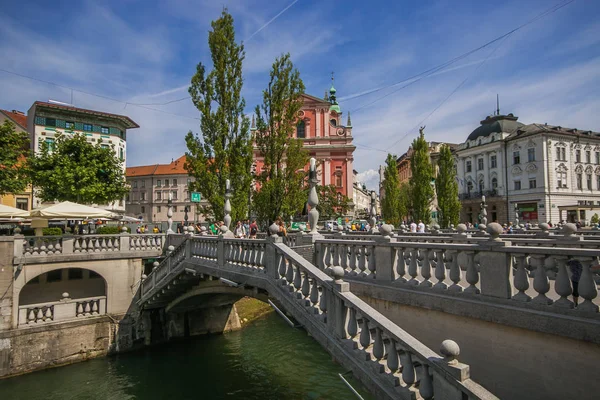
(62, 310)
(368, 343)
(525, 275)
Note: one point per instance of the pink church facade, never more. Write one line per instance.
(327, 139)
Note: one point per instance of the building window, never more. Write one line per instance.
(174, 208)
(479, 164)
(158, 183)
(50, 122)
(333, 122)
(174, 182)
(598, 183)
(69, 125)
(143, 209)
(143, 196)
(189, 180)
(75, 273)
(22, 204)
(531, 154)
(468, 166)
(186, 194)
(104, 129)
(579, 184)
(174, 194)
(157, 208)
(494, 183)
(589, 181)
(104, 146)
(481, 186)
(338, 180)
(469, 187)
(516, 157)
(158, 196)
(94, 275)
(588, 157)
(127, 197)
(143, 183)
(562, 179)
(166, 182)
(50, 143)
(301, 130)
(54, 276)
(532, 184)
(577, 155)
(87, 127)
(135, 184)
(598, 157)
(493, 162)
(517, 185)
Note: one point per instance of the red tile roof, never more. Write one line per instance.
(17, 117)
(176, 167)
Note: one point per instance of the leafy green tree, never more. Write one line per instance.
(331, 203)
(390, 204)
(282, 182)
(420, 182)
(15, 147)
(405, 202)
(595, 218)
(446, 188)
(225, 151)
(72, 169)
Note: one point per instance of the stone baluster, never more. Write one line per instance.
(408, 368)
(472, 275)
(289, 276)
(314, 292)
(455, 274)
(562, 284)
(343, 254)
(541, 283)
(365, 334)
(362, 260)
(353, 260)
(328, 248)
(323, 303)
(400, 265)
(426, 269)
(426, 383)
(282, 266)
(587, 288)
(378, 348)
(297, 278)
(305, 285)
(521, 279)
(352, 329)
(392, 356)
(440, 270)
(413, 266)
(372, 262)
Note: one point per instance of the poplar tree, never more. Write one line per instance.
(446, 188)
(421, 188)
(225, 151)
(390, 204)
(282, 181)
(15, 147)
(405, 201)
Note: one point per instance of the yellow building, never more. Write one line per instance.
(18, 200)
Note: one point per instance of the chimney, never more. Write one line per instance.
(18, 112)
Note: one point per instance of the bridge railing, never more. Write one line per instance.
(65, 309)
(399, 362)
(490, 269)
(44, 246)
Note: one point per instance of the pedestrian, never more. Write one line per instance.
(413, 227)
(576, 269)
(239, 231)
(421, 227)
(253, 229)
(282, 230)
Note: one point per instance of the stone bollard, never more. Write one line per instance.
(155, 265)
(450, 350)
(568, 231)
(461, 230)
(544, 230)
(496, 272)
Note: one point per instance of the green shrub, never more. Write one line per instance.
(52, 232)
(595, 218)
(110, 230)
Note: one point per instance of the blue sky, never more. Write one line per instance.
(144, 52)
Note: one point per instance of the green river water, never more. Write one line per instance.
(266, 360)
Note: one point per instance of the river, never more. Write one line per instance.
(266, 360)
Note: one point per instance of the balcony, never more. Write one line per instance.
(477, 195)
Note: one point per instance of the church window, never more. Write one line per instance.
(301, 130)
(588, 157)
(333, 122)
(577, 155)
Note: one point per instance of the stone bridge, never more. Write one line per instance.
(388, 360)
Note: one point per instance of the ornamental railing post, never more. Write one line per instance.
(496, 272)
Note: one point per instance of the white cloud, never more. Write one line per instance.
(370, 178)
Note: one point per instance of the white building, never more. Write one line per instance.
(361, 197)
(535, 169)
(45, 121)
